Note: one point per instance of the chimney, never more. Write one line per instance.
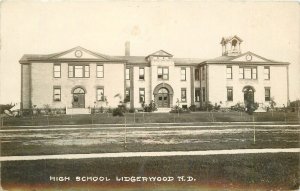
(127, 48)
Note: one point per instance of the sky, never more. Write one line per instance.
(191, 29)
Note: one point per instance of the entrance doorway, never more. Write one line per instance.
(248, 95)
(163, 99)
(78, 98)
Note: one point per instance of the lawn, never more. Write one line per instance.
(222, 172)
(138, 118)
(138, 139)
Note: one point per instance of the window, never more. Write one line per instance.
(183, 74)
(100, 71)
(127, 95)
(248, 73)
(197, 94)
(183, 94)
(127, 73)
(254, 73)
(229, 94)
(86, 71)
(234, 43)
(229, 72)
(56, 94)
(197, 75)
(56, 71)
(203, 73)
(163, 73)
(141, 73)
(241, 73)
(203, 94)
(266, 72)
(267, 94)
(142, 95)
(71, 71)
(100, 94)
(79, 71)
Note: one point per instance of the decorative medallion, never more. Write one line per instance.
(78, 53)
(248, 57)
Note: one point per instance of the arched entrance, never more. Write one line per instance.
(78, 97)
(248, 94)
(163, 95)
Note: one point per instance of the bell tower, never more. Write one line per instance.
(231, 46)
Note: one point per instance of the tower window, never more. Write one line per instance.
(233, 43)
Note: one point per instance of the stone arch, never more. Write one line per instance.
(163, 85)
(169, 92)
(76, 87)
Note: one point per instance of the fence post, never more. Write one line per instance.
(253, 129)
(125, 138)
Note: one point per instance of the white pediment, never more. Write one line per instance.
(79, 53)
(161, 53)
(250, 57)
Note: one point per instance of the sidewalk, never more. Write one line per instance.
(149, 154)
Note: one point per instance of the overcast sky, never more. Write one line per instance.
(184, 29)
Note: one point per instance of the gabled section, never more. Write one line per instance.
(225, 40)
(80, 53)
(77, 53)
(250, 57)
(160, 53)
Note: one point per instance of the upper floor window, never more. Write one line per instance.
(56, 94)
(163, 73)
(56, 71)
(197, 94)
(127, 73)
(141, 73)
(229, 72)
(79, 71)
(197, 75)
(183, 94)
(100, 94)
(142, 95)
(229, 94)
(203, 73)
(248, 73)
(100, 71)
(183, 74)
(266, 72)
(267, 94)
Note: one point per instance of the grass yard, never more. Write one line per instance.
(222, 172)
(138, 139)
(104, 118)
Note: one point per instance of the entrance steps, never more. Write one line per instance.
(75, 111)
(163, 110)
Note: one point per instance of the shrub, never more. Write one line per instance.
(5, 107)
(131, 110)
(207, 106)
(109, 110)
(251, 107)
(238, 107)
(177, 109)
(294, 106)
(216, 107)
(192, 108)
(149, 108)
(118, 112)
